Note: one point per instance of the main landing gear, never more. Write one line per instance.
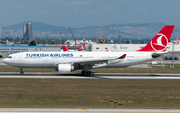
(87, 73)
(21, 72)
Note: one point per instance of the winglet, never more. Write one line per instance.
(160, 41)
(122, 57)
(65, 48)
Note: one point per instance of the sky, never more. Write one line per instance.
(83, 13)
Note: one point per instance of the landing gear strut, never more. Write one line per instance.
(21, 72)
(87, 73)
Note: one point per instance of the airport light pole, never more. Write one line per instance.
(173, 52)
(119, 38)
(36, 37)
(60, 40)
(0, 35)
(47, 39)
(13, 36)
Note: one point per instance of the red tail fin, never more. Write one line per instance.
(177, 40)
(160, 41)
(65, 48)
(82, 47)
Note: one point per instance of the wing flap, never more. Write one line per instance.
(92, 62)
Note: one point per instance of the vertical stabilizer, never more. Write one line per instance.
(177, 41)
(82, 47)
(160, 41)
(65, 49)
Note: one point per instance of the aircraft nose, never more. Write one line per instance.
(5, 61)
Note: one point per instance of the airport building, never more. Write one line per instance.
(78, 42)
(88, 47)
(15, 49)
(125, 47)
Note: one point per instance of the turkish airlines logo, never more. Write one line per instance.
(159, 42)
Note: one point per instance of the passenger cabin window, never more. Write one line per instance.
(9, 57)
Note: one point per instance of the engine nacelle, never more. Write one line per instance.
(65, 68)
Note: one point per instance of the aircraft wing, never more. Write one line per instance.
(97, 61)
(92, 62)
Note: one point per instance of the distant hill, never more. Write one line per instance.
(36, 26)
(128, 31)
(39, 26)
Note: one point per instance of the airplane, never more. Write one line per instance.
(82, 47)
(65, 62)
(177, 41)
(65, 49)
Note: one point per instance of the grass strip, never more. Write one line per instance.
(82, 93)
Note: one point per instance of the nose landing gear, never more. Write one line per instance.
(21, 72)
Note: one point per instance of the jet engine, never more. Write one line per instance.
(65, 68)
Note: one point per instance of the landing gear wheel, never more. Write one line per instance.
(21, 72)
(86, 73)
(82, 72)
(91, 73)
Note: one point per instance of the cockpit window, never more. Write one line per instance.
(9, 57)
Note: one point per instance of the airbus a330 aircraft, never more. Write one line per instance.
(65, 62)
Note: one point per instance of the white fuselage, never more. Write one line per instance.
(51, 59)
